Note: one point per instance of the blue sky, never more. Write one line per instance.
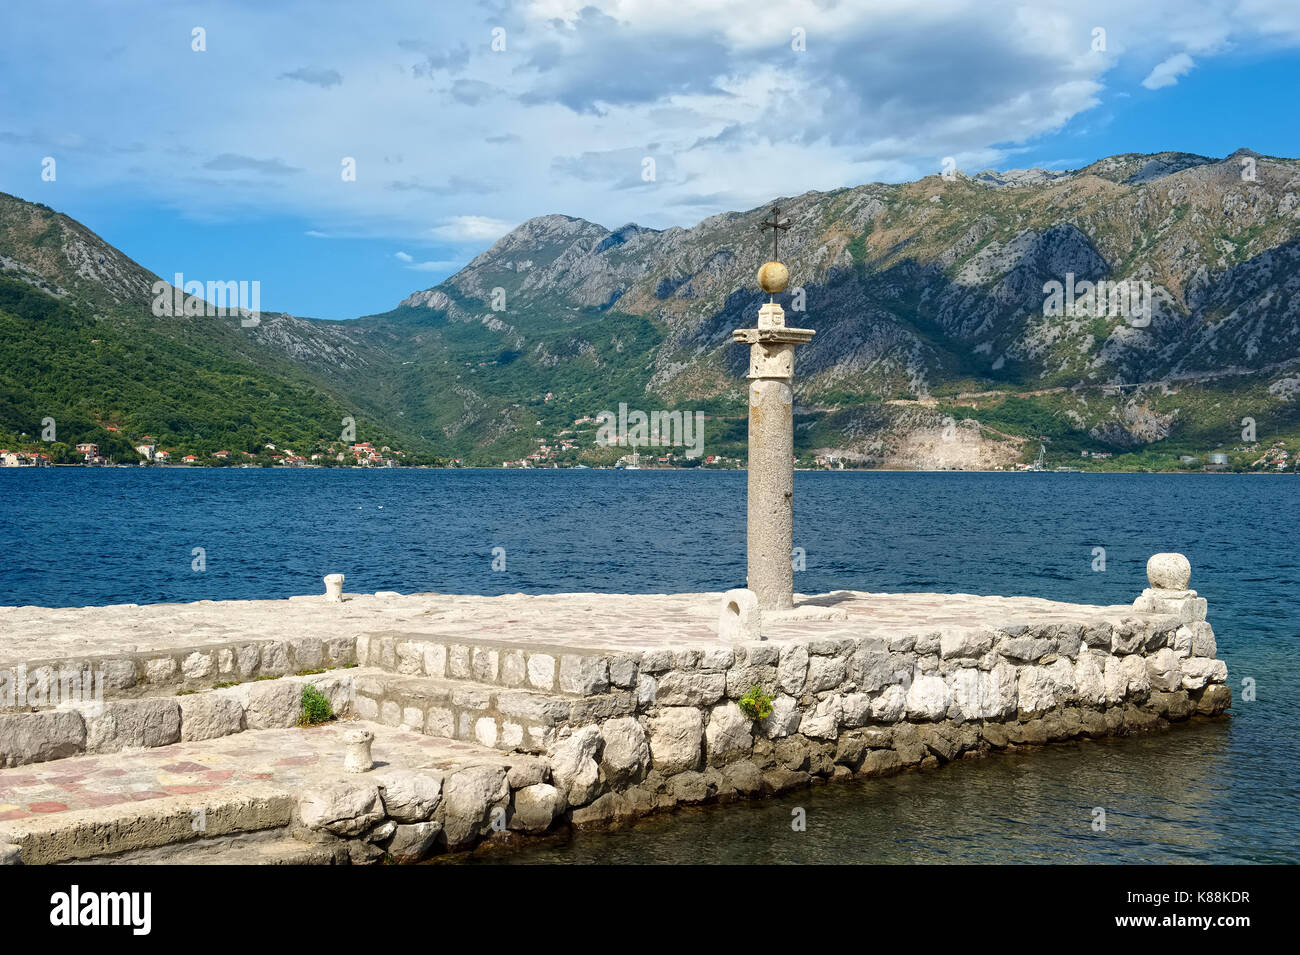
(226, 162)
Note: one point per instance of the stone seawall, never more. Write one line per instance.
(664, 726)
(500, 718)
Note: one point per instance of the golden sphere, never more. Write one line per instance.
(773, 277)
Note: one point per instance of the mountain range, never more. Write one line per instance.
(938, 343)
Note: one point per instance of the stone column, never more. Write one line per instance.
(771, 455)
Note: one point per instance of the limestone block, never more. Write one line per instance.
(583, 675)
(210, 715)
(1135, 674)
(690, 688)
(717, 658)
(1203, 644)
(411, 843)
(308, 653)
(458, 662)
(623, 672)
(485, 664)
(410, 797)
(792, 672)
(410, 657)
(856, 709)
(656, 661)
(739, 616)
(647, 690)
(626, 754)
(1026, 648)
(275, 660)
(469, 796)
(676, 737)
(198, 665)
(889, 706)
(575, 768)
(535, 808)
(270, 704)
(928, 698)
(439, 721)
(39, 737)
(160, 670)
(875, 669)
(965, 642)
(485, 731)
(1090, 678)
(1214, 700)
(514, 668)
(784, 718)
(117, 675)
(435, 660)
(541, 670)
(729, 734)
(825, 673)
(345, 809)
(1169, 571)
(740, 679)
(1041, 688)
(248, 659)
(122, 724)
(1164, 670)
(823, 721)
(1198, 671)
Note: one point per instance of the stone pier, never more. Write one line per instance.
(495, 719)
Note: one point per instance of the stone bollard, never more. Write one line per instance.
(357, 757)
(333, 587)
(1169, 575)
(740, 617)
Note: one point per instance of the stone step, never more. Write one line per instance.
(495, 716)
(96, 728)
(83, 834)
(568, 671)
(42, 682)
(269, 847)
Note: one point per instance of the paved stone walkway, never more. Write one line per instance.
(585, 621)
(292, 759)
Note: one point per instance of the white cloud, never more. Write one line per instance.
(472, 229)
(1167, 72)
(403, 257)
(446, 131)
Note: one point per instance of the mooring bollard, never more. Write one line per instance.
(740, 617)
(357, 759)
(333, 587)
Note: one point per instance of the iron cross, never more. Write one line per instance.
(777, 227)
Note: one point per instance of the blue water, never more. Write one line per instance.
(1227, 791)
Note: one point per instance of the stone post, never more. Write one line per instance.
(356, 755)
(771, 446)
(333, 587)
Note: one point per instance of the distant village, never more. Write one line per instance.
(337, 454)
(575, 447)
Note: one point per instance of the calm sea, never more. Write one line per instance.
(1227, 792)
